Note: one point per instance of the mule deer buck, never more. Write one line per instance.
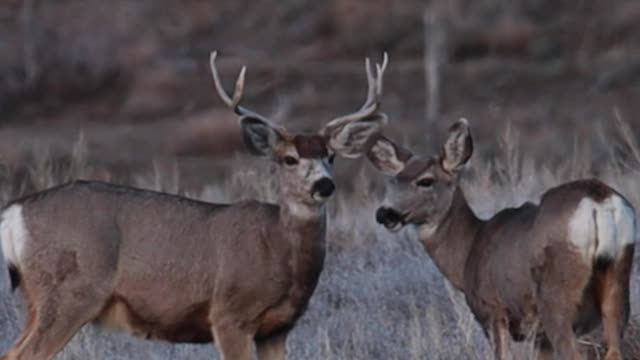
(554, 270)
(166, 267)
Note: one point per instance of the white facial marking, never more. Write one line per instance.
(602, 229)
(317, 170)
(317, 197)
(13, 234)
(308, 171)
(396, 227)
(426, 231)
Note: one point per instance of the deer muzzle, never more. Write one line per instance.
(322, 189)
(390, 218)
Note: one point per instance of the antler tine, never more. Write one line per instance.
(374, 91)
(234, 102)
(380, 74)
(371, 84)
(375, 82)
(239, 88)
(216, 80)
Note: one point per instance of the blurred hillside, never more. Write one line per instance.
(133, 74)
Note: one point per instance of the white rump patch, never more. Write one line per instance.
(602, 229)
(13, 234)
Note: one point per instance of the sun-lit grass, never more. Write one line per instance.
(380, 296)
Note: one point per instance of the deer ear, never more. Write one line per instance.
(259, 135)
(458, 148)
(354, 138)
(387, 156)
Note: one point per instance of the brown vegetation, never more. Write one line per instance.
(73, 65)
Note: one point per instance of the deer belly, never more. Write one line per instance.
(192, 326)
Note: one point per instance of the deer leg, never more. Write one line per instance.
(558, 327)
(544, 349)
(232, 342)
(55, 320)
(28, 329)
(272, 348)
(614, 302)
(60, 299)
(29, 324)
(501, 339)
(561, 289)
(564, 341)
(545, 354)
(611, 310)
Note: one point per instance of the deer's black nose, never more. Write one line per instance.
(323, 187)
(386, 216)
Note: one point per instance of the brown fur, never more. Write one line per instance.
(170, 268)
(549, 284)
(311, 146)
(590, 187)
(519, 270)
(124, 261)
(414, 168)
(166, 267)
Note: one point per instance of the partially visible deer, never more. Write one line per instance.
(556, 270)
(166, 267)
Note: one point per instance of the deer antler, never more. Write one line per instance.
(233, 102)
(374, 92)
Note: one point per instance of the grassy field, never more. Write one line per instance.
(380, 295)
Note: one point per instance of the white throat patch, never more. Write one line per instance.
(305, 212)
(426, 231)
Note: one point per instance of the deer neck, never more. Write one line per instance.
(449, 244)
(304, 229)
(303, 224)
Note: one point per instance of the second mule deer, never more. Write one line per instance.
(166, 267)
(557, 269)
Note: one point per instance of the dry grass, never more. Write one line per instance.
(380, 295)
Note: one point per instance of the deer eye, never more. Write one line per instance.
(425, 182)
(290, 160)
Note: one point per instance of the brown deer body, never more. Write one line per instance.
(555, 270)
(166, 267)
